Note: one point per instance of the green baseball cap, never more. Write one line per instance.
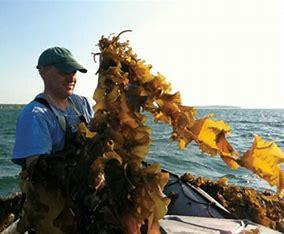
(61, 58)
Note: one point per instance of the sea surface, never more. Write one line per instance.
(244, 123)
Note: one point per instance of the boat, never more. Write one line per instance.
(192, 210)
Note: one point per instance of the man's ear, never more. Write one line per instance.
(43, 70)
(40, 71)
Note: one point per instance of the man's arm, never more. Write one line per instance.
(33, 136)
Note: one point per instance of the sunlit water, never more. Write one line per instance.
(269, 124)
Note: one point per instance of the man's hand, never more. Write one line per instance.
(31, 160)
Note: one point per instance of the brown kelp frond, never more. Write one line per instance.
(145, 91)
(245, 203)
(124, 31)
(127, 86)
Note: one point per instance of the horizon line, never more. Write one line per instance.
(195, 106)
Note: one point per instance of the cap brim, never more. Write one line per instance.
(69, 67)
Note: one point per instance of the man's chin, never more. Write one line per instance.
(69, 92)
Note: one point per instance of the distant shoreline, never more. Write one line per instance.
(217, 107)
(6, 105)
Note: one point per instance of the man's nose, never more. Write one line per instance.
(71, 76)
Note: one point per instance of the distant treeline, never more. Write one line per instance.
(11, 106)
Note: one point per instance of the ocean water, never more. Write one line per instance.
(244, 123)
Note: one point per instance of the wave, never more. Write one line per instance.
(8, 185)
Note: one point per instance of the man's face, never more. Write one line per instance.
(58, 84)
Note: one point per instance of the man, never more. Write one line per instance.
(49, 122)
(44, 128)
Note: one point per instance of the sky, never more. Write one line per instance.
(215, 52)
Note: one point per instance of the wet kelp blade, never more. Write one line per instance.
(264, 158)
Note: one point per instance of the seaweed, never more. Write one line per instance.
(264, 208)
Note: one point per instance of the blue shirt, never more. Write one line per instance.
(38, 130)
